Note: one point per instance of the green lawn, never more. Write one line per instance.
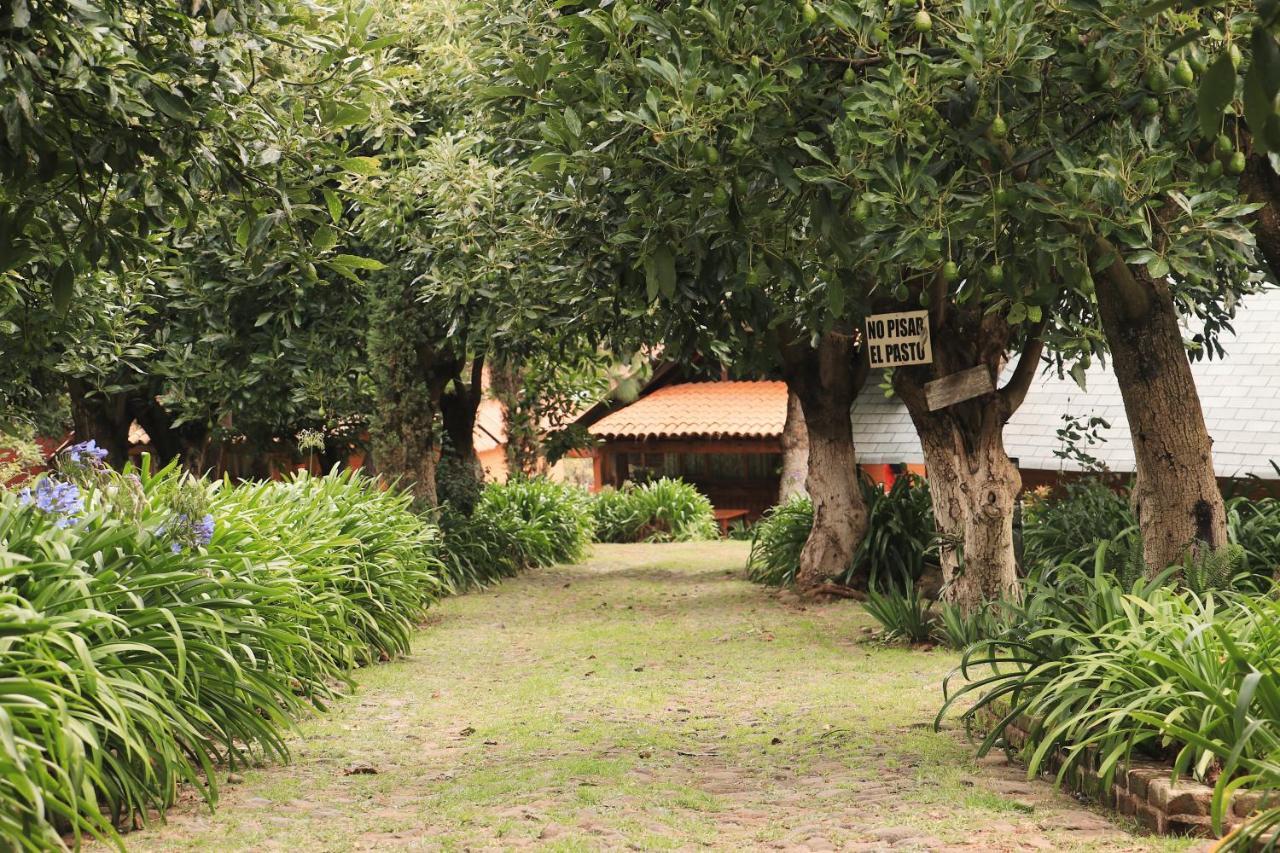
(649, 698)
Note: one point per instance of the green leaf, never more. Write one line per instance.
(814, 151)
(324, 239)
(358, 262)
(572, 122)
(171, 105)
(366, 166)
(350, 114)
(63, 286)
(334, 204)
(660, 273)
(242, 232)
(835, 299)
(1078, 374)
(223, 22)
(1216, 90)
(546, 162)
(1265, 60)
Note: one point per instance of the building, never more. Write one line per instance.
(725, 437)
(1240, 395)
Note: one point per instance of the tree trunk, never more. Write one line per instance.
(1176, 495)
(826, 380)
(458, 460)
(1261, 185)
(974, 487)
(104, 418)
(795, 451)
(973, 483)
(411, 362)
(520, 417)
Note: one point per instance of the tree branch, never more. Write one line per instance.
(938, 300)
(477, 378)
(1134, 297)
(1015, 390)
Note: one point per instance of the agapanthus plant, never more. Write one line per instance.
(85, 464)
(191, 525)
(86, 453)
(55, 498)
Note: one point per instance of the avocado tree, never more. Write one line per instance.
(1010, 191)
(920, 152)
(675, 138)
(171, 208)
(1182, 252)
(457, 222)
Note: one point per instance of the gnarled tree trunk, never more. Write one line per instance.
(826, 380)
(520, 417)
(974, 486)
(973, 483)
(184, 443)
(795, 451)
(1176, 495)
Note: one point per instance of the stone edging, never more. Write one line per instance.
(1143, 791)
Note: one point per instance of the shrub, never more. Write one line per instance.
(477, 551)
(959, 630)
(145, 644)
(777, 540)
(616, 515)
(900, 539)
(662, 510)
(901, 534)
(902, 613)
(1067, 529)
(1254, 525)
(1149, 670)
(542, 522)
(363, 555)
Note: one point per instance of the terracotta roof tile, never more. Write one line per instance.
(703, 410)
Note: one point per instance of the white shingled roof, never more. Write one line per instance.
(1240, 394)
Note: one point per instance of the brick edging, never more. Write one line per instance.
(1143, 790)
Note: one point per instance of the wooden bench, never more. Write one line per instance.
(725, 517)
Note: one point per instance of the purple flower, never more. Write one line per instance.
(183, 532)
(55, 498)
(88, 452)
(204, 530)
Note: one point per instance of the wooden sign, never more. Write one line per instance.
(899, 340)
(958, 387)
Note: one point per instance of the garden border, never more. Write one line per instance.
(1143, 791)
